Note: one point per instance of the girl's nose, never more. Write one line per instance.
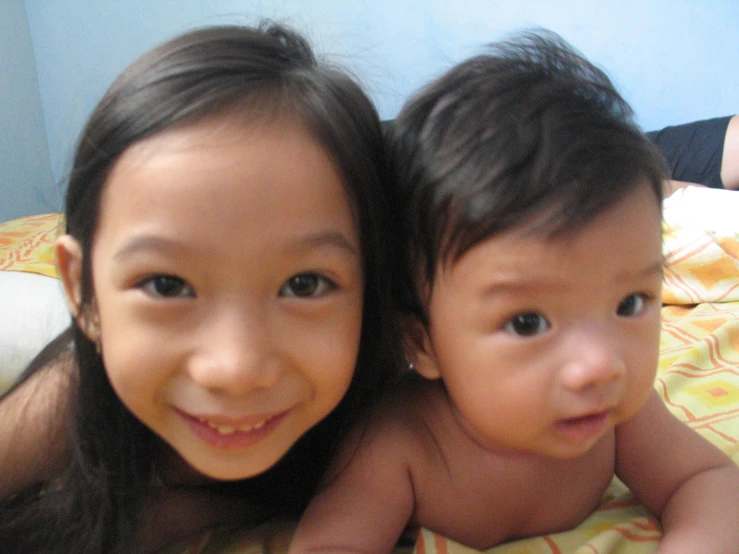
(593, 360)
(236, 355)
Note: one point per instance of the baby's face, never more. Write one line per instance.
(228, 284)
(545, 344)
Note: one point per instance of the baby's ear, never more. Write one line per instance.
(418, 348)
(69, 266)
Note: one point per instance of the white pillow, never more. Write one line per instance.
(710, 210)
(32, 312)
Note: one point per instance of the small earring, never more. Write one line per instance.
(98, 348)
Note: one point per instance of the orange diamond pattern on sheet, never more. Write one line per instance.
(27, 244)
(698, 375)
(715, 394)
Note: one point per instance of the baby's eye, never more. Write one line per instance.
(305, 285)
(167, 286)
(632, 305)
(527, 324)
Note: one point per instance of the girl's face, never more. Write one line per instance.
(228, 289)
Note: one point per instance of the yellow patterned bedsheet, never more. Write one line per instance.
(27, 244)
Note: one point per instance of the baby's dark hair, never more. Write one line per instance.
(529, 134)
(244, 73)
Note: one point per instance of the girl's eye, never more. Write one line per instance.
(306, 285)
(632, 305)
(527, 324)
(167, 286)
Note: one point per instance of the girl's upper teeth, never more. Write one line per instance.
(229, 430)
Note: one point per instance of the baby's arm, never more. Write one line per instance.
(368, 499)
(689, 483)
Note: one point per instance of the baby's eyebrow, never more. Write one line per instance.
(515, 283)
(521, 282)
(657, 268)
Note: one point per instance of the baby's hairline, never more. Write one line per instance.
(542, 225)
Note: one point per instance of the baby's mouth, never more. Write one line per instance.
(584, 426)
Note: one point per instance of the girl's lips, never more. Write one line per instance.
(221, 432)
(583, 427)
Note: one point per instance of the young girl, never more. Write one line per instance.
(225, 261)
(532, 225)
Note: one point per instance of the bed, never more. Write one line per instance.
(32, 308)
(698, 375)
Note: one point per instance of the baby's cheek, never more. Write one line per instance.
(639, 393)
(644, 364)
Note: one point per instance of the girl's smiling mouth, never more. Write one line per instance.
(227, 433)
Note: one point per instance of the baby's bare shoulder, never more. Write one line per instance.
(402, 432)
(408, 414)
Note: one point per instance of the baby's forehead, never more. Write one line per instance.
(550, 218)
(539, 237)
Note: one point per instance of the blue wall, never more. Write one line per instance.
(674, 60)
(26, 181)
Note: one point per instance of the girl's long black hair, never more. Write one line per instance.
(95, 504)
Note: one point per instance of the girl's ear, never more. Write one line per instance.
(418, 348)
(69, 266)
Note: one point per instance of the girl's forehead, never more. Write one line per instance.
(220, 172)
(215, 142)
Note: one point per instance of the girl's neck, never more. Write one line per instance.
(171, 470)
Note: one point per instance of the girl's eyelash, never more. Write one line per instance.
(308, 284)
(166, 286)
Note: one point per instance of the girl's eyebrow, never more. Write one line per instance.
(155, 243)
(329, 238)
(146, 243)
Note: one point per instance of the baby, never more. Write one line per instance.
(530, 206)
